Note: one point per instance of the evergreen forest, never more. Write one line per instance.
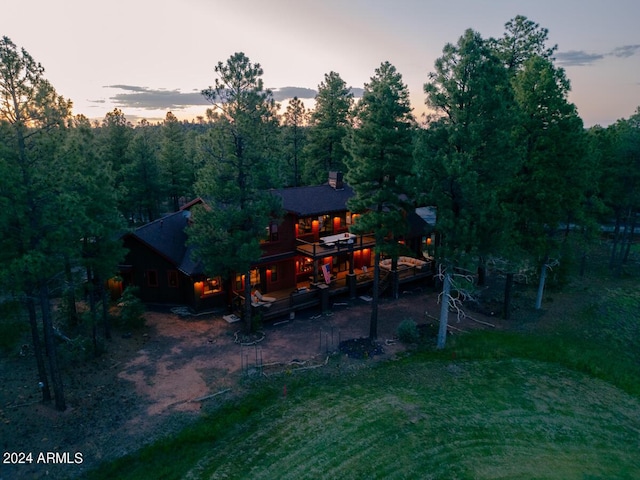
(503, 156)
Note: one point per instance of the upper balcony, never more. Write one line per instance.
(334, 245)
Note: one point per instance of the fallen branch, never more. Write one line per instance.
(207, 397)
(482, 322)
(455, 328)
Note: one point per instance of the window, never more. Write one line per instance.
(271, 233)
(239, 281)
(325, 224)
(152, 278)
(274, 232)
(305, 265)
(255, 277)
(304, 225)
(212, 285)
(274, 273)
(172, 278)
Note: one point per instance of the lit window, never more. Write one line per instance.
(212, 285)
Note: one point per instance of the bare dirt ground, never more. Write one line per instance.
(157, 380)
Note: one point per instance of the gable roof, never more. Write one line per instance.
(315, 199)
(168, 237)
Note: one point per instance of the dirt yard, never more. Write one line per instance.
(156, 381)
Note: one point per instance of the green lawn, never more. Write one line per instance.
(560, 404)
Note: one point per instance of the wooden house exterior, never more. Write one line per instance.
(309, 248)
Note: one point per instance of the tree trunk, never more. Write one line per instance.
(94, 321)
(616, 238)
(247, 302)
(444, 311)
(482, 272)
(583, 257)
(92, 310)
(105, 311)
(507, 296)
(373, 322)
(70, 294)
(56, 378)
(632, 230)
(543, 278)
(37, 350)
(622, 243)
(583, 264)
(395, 279)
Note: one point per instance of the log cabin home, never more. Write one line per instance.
(308, 257)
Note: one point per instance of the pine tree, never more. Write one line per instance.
(234, 181)
(39, 228)
(141, 176)
(294, 122)
(467, 157)
(380, 167)
(176, 169)
(329, 124)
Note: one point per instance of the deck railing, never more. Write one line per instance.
(320, 249)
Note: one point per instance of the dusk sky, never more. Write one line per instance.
(148, 57)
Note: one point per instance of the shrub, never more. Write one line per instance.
(131, 309)
(408, 331)
(78, 351)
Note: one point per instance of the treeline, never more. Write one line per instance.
(504, 157)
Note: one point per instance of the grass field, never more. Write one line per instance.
(557, 404)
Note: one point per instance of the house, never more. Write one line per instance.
(310, 249)
(160, 264)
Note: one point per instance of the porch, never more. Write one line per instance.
(309, 294)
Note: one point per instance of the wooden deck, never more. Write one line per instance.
(308, 295)
(316, 250)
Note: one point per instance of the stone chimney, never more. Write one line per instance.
(335, 180)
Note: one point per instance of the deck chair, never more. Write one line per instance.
(263, 298)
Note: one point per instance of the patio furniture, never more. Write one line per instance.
(263, 298)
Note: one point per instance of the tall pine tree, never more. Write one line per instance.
(40, 225)
(234, 181)
(467, 157)
(380, 167)
(329, 124)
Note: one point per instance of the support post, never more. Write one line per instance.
(352, 283)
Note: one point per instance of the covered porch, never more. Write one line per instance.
(318, 293)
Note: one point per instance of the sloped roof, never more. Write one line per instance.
(314, 200)
(428, 214)
(168, 237)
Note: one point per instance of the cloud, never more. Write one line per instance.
(576, 58)
(159, 99)
(284, 93)
(573, 58)
(625, 51)
(144, 98)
